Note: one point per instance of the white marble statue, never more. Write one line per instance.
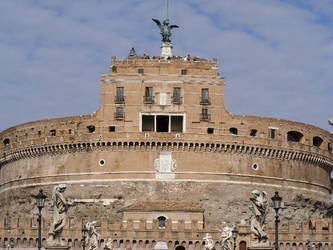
(108, 244)
(259, 206)
(93, 236)
(209, 244)
(226, 235)
(60, 208)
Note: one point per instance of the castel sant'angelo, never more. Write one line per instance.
(162, 160)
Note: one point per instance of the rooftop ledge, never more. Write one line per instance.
(187, 58)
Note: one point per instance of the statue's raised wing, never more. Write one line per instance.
(174, 26)
(157, 22)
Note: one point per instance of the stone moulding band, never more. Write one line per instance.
(108, 180)
(247, 149)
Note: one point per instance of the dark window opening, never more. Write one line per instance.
(294, 136)
(162, 123)
(204, 116)
(177, 124)
(272, 133)
(148, 123)
(119, 115)
(141, 71)
(317, 141)
(330, 146)
(119, 98)
(53, 132)
(180, 248)
(91, 128)
(210, 130)
(114, 69)
(233, 131)
(253, 132)
(176, 98)
(112, 128)
(184, 72)
(39, 132)
(205, 97)
(148, 98)
(71, 131)
(161, 221)
(6, 142)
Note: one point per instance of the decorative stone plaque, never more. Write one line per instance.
(165, 167)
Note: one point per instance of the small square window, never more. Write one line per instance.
(112, 129)
(53, 132)
(184, 72)
(141, 71)
(91, 128)
(210, 130)
(253, 132)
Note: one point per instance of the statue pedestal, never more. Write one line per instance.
(262, 246)
(166, 50)
(56, 244)
(57, 247)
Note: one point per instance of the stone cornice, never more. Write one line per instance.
(261, 151)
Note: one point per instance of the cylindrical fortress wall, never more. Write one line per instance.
(218, 180)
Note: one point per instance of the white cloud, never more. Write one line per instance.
(277, 56)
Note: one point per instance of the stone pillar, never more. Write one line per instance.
(166, 50)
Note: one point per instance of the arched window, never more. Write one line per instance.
(161, 222)
(180, 248)
(317, 141)
(6, 142)
(294, 136)
(242, 245)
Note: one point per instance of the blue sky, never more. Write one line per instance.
(277, 56)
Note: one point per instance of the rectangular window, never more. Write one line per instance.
(204, 116)
(141, 71)
(148, 123)
(184, 72)
(272, 133)
(148, 98)
(210, 130)
(177, 124)
(119, 115)
(112, 128)
(162, 123)
(205, 96)
(176, 98)
(120, 95)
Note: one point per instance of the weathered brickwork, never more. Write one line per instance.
(162, 133)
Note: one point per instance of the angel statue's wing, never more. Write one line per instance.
(174, 26)
(157, 22)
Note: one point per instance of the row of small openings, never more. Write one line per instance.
(91, 128)
(292, 136)
(53, 132)
(183, 72)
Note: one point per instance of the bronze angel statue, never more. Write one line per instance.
(165, 29)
